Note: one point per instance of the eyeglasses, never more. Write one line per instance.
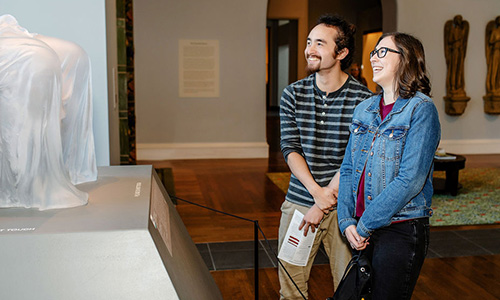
(382, 52)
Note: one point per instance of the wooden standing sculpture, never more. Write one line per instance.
(492, 47)
(456, 33)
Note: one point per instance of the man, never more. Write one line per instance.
(315, 114)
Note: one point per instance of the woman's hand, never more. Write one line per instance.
(356, 241)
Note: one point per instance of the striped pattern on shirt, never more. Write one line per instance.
(316, 126)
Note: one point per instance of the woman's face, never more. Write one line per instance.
(384, 69)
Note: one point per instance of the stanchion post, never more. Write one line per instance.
(256, 256)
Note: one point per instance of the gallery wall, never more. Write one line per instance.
(474, 131)
(83, 22)
(231, 125)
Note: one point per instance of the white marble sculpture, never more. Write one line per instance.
(46, 139)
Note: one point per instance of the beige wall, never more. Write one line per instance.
(232, 125)
(474, 131)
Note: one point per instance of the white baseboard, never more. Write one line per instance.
(170, 151)
(480, 146)
(167, 151)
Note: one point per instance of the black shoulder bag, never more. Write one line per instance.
(356, 282)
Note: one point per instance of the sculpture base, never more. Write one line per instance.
(455, 105)
(128, 242)
(492, 105)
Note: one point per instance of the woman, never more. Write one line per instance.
(386, 176)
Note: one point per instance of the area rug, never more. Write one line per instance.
(477, 202)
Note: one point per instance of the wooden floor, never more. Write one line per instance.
(238, 187)
(241, 187)
(464, 278)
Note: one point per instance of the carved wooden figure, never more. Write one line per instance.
(456, 33)
(492, 47)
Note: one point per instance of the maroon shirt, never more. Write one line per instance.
(360, 202)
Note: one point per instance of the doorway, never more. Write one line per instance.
(281, 60)
(369, 42)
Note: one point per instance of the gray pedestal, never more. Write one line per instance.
(127, 243)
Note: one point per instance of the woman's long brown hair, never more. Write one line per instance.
(411, 76)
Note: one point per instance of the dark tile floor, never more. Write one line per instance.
(239, 255)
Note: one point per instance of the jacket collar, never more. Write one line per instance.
(399, 105)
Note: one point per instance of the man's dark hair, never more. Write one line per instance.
(345, 38)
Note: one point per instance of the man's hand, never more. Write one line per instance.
(312, 219)
(325, 198)
(334, 184)
(355, 240)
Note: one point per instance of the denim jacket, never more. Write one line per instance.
(397, 155)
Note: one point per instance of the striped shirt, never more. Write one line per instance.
(316, 126)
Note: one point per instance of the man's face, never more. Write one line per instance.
(320, 50)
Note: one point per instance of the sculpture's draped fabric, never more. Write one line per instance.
(76, 118)
(32, 170)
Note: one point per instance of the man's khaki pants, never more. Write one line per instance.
(335, 245)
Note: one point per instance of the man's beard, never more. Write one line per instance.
(311, 69)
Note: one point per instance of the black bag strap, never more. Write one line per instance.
(354, 261)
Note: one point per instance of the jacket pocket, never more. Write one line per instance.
(395, 133)
(393, 140)
(358, 131)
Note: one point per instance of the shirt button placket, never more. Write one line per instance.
(323, 113)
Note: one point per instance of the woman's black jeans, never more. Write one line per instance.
(397, 254)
